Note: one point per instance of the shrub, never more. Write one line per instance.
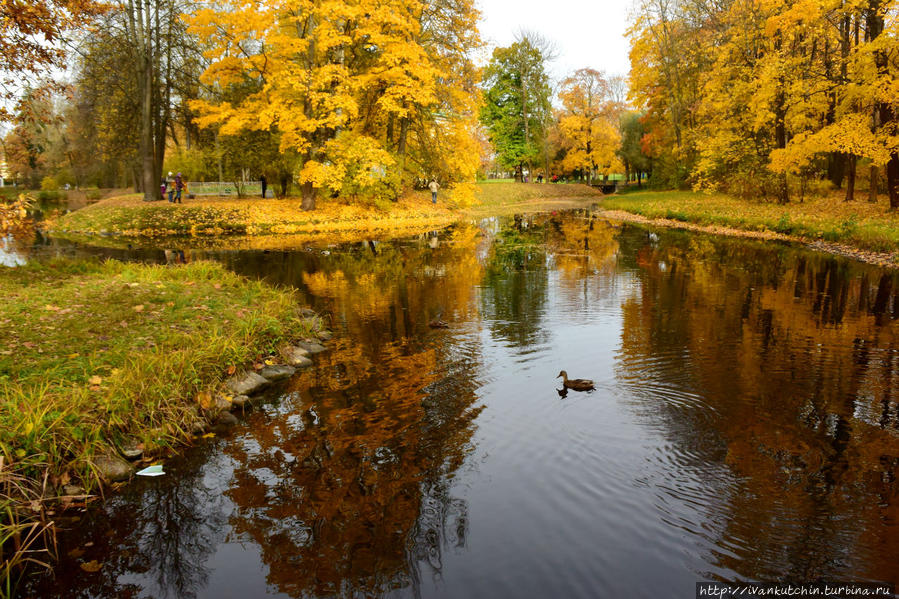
(783, 225)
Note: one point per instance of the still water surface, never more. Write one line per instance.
(744, 426)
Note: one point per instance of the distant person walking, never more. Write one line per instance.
(264, 182)
(179, 187)
(433, 186)
(170, 184)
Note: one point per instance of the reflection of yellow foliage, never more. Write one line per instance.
(786, 352)
(326, 284)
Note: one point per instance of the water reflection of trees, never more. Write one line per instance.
(161, 533)
(782, 364)
(524, 252)
(346, 484)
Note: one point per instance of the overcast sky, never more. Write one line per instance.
(587, 33)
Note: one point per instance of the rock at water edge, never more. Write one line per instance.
(113, 468)
(277, 372)
(311, 347)
(246, 383)
(239, 401)
(296, 356)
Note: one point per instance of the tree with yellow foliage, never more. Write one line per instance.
(744, 95)
(358, 91)
(588, 124)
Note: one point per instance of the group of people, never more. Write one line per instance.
(174, 187)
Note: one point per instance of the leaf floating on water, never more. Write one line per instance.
(76, 553)
(151, 471)
(91, 566)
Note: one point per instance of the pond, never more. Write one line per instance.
(744, 426)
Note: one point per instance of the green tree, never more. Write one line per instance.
(636, 161)
(517, 102)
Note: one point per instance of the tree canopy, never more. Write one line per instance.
(31, 41)
(745, 96)
(363, 96)
(517, 102)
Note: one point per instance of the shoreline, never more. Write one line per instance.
(883, 259)
(110, 367)
(128, 217)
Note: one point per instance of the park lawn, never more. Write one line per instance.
(131, 217)
(504, 197)
(861, 224)
(97, 356)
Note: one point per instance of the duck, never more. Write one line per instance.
(575, 384)
(437, 323)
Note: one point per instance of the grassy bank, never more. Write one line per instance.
(131, 217)
(96, 357)
(128, 216)
(860, 224)
(509, 197)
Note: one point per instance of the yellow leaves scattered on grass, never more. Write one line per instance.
(221, 216)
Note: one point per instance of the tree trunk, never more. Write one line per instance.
(893, 180)
(145, 78)
(308, 196)
(780, 129)
(872, 185)
(401, 142)
(850, 179)
(885, 113)
(836, 168)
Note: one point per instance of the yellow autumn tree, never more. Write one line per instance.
(588, 125)
(860, 122)
(749, 96)
(345, 86)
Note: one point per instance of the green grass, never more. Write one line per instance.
(861, 224)
(97, 356)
